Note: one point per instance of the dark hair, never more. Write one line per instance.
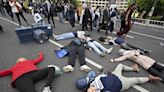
(101, 39)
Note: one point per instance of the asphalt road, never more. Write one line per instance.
(11, 49)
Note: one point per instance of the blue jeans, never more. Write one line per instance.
(65, 36)
(60, 15)
(97, 47)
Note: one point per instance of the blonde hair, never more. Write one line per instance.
(18, 60)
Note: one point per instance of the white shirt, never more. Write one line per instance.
(97, 83)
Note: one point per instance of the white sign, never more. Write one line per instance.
(37, 17)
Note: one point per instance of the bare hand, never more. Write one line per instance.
(126, 23)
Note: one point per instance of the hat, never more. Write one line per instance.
(57, 70)
(82, 83)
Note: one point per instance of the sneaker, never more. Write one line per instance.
(147, 51)
(112, 60)
(85, 68)
(54, 36)
(109, 50)
(102, 54)
(68, 68)
(135, 68)
(47, 89)
(153, 78)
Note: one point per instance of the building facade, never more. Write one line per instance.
(122, 4)
(119, 4)
(95, 3)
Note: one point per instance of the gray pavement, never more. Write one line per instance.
(11, 49)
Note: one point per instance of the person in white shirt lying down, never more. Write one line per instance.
(153, 67)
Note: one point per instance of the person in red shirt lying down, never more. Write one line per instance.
(25, 73)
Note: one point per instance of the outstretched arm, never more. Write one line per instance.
(122, 58)
(5, 72)
(39, 59)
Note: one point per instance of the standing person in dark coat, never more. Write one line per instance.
(86, 18)
(8, 8)
(106, 18)
(71, 13)
(122, 21)
(50, 9)
(1, 8)
(127, 20)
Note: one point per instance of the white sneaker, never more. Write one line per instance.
(111, 60)
(109, 50)
(47, 89)
(102, 54)
(85, 68)
(68, 68)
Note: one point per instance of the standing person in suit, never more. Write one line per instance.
(50, 9)
(106, 18)
(129, 12)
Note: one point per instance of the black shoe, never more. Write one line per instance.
(147, 51)
(1, 28)
(98, 30)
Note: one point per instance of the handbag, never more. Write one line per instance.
(62, 52)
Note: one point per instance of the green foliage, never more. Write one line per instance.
(147, 5)
(75, 2)
(155, 17)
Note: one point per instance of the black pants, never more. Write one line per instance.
(9, 12)
(50, 16)
(21, 14)
(74, 51)
(156, 69)
(122, 25)
(129, 46)
(84, 27)
(72, 22)
(1, 28)
(25, 83)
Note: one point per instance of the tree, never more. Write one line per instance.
(75, 2)
(147, 5)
